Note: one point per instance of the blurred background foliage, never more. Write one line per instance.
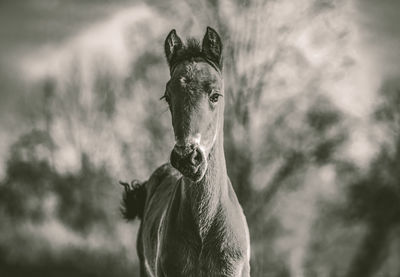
(311, 133)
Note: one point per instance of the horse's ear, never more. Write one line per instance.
(172, 44)
(212, 46)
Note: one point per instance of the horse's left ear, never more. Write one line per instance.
(172, 44)
(212, 46)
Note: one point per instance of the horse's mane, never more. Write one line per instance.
(189, 51)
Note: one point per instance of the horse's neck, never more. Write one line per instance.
(205, 197)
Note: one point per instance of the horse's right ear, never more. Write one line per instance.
(212, 46)
(172, 44)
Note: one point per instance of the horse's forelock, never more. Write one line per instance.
(191, 51)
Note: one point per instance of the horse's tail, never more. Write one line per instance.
(133, 199)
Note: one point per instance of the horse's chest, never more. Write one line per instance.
(187, 256)
(179, 258)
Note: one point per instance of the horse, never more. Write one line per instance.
(191, 221)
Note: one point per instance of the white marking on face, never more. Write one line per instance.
(202, 149)
(207, 148)
(196, 139)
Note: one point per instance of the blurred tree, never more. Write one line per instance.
(28, 177)
(374, 199)
(300, 139)
(84, 197)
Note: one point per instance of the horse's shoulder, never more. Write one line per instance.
(163, 172)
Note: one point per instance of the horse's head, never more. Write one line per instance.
(195, 98)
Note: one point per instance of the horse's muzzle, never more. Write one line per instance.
(190, 160)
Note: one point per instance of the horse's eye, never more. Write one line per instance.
(214, 97)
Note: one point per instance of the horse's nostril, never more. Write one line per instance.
(190, 153)
(196, 157)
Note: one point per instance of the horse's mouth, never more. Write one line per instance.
(193, 170)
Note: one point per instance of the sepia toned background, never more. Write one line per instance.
(312, 130)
